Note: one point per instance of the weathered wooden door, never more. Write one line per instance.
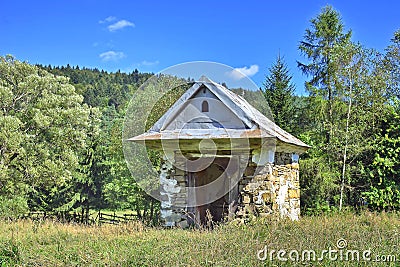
(213, 191)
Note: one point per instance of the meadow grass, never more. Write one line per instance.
(26, 243)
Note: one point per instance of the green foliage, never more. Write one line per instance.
(60, 128)
(100, 88)
(392, 63)
(384, 197)
(326, 31)
(150, 102)
(120, 189)
(256, 99)
(278, 91)
(384, 171)
(9, 253)
(44, 129)
(13, 206)
(319, 185)
(166, 100)
(346, 118)
(103, 179)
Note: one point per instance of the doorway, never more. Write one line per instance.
(213, 191)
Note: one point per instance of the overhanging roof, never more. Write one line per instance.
(259, 126)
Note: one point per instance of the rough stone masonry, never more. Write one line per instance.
(263, 190)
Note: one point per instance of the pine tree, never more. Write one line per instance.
(278, 91)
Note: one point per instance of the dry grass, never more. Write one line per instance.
(24, 243)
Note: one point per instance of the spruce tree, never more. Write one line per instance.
(278, 91)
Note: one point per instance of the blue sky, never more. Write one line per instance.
(154, 35)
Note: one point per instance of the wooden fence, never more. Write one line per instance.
(112, 218)
(99, 217)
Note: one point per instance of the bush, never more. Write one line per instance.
(12, 207)
(9, 253)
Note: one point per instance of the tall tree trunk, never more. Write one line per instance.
(87, 211)
(330, 98)
(82, 215)
(138, 212)
(152, 210)
(330, 114)
(346, 144)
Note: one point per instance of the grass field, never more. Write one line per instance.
(26, 243)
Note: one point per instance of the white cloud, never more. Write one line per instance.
(119, 25)
(111, 56)
(108, 19)
(240, 73)
(149, 63)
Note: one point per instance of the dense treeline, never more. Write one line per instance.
(60, 129)
(60, 140)
(350, 117)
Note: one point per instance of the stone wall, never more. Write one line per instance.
(270, 189)
(263, 190)
(173, 191)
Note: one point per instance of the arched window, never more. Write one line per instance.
(204, 106)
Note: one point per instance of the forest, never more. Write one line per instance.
(61, 129)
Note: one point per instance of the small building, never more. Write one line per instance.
(223, 158)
